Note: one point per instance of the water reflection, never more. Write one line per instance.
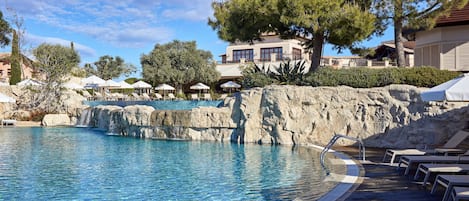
(82, 164)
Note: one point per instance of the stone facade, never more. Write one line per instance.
(392, 116)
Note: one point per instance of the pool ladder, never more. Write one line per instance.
(361, 146)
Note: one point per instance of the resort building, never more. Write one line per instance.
(387, 51)
(269, 52)
(27, 69)
(446, 46)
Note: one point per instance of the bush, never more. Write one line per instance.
(255, 76)
(368, 77)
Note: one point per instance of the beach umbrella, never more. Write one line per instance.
(164, 88)
(29, 82)
(109, 84)
(6, 99)
(142, 86)
(199, 86)
(125, 85)
(230, 85)
(456, 89)
(92, 82)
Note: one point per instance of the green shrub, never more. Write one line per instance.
(368, 77)
(255, 76)
(426, 76)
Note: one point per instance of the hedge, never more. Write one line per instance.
(369, 77)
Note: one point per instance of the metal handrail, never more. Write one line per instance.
(361, 146)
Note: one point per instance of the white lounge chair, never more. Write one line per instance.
(146, 97)
(223, 96)
(98, 96)
(460, 193)
(135, 96)
(86, 94)
(448, 148)
(207, 97)
(158, 96)
(448, 182)
(430, 168)
(171, 96)
(194, 97)
(412, 161)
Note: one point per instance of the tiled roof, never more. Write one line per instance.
(457, 17)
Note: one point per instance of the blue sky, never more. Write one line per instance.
(125, 28)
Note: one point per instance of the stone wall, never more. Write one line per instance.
(392, 116)
(213, 124)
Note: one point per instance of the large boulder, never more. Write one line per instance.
(56, 120)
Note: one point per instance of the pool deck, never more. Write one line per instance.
(383, 182)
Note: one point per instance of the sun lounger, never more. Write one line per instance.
(207, 97)
(146, 96)
(412, 161)
(394, 153)
(428, 169)
(448, 148)
(8, 122)
(158, 96)
(98, 96)
(194, 97)
(223, 96)
(448, 182)
(460, 193)
(171, 96)
(135, 96)
(86, 94)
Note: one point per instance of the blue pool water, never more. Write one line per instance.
(161, 104)
(84, 164)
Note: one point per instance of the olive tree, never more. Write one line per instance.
(55, 63)
(108, 67)
(178, 63)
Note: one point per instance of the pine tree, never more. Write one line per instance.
(15, 60)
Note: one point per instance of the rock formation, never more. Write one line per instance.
(56, 120)
(392, 116)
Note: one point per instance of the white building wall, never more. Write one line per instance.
(444, 48)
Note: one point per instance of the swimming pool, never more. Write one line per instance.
(84, 164)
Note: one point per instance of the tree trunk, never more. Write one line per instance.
(318, 42)
(398, 38)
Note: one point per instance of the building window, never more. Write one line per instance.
(296, 54)
(247, 54)
(266, 52)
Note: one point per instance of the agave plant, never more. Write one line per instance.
(289, 72)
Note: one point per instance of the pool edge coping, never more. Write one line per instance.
(355, 173)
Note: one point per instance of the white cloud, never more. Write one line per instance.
(123, 23)
(82, 49)
(195, 10)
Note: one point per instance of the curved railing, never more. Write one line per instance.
(361, 146)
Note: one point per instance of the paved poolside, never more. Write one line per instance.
(384, 182)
